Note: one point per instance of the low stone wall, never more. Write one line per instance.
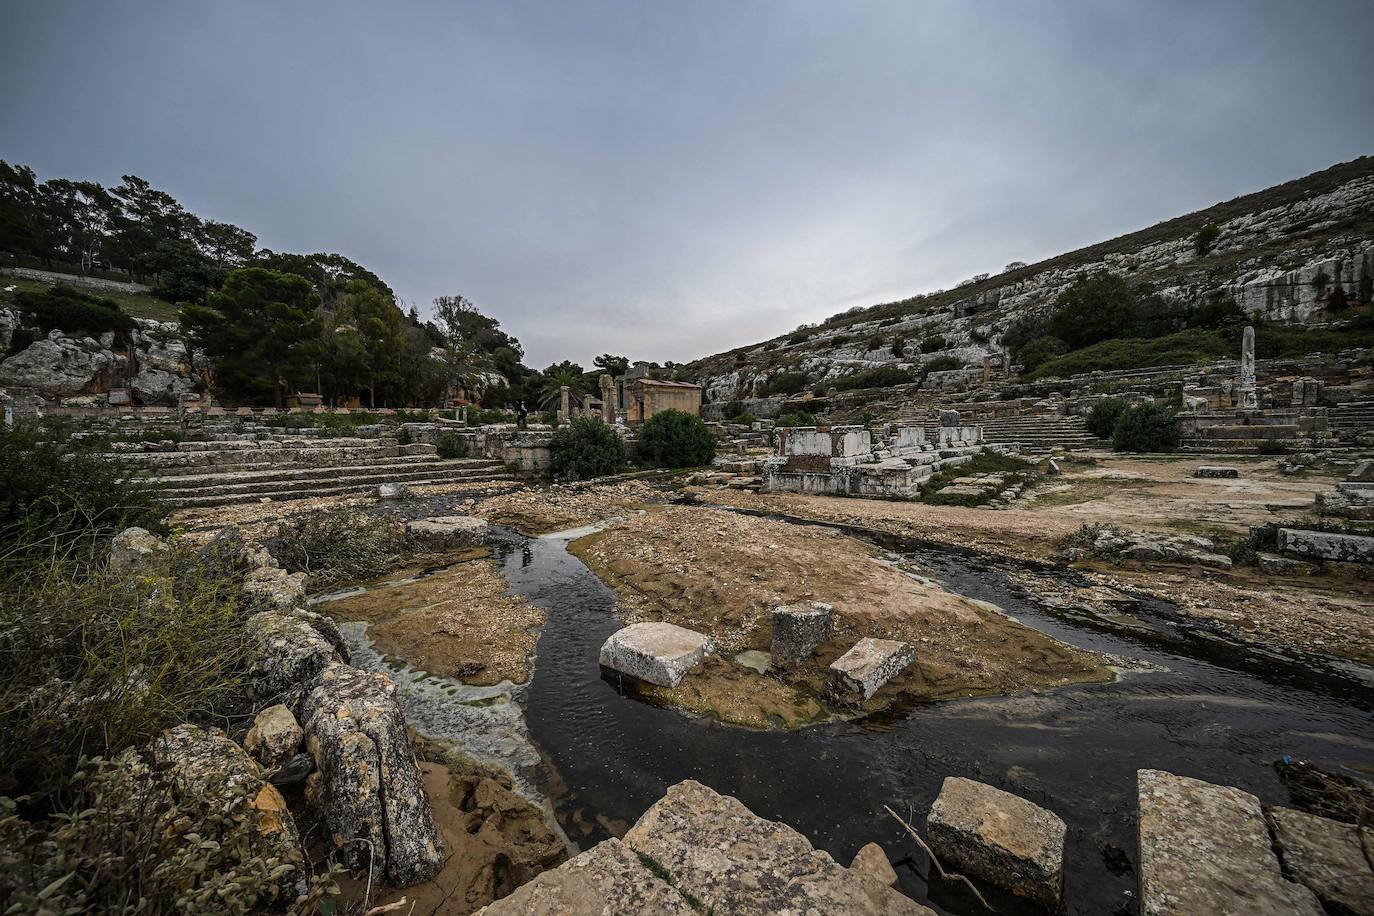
(77, 280)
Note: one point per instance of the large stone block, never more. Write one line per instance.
(871, 663)
(608, 878)
(657, 653)
(1000, 838)
(368, 785)
(136, 550)
(798, 630)
(447, 532)
(1217, 471)
(735, 862)
(1205, 848)
(1325, 856)
(1327, 545)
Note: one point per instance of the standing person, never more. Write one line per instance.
(521, 414)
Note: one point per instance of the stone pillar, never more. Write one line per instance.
(607, 398)
(1248, 400)
(564, 406)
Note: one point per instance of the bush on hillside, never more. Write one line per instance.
(1092, 309)
(1101, 420)
(797, 418)
(56, 501)
(932, 343)
(449, 445)
(1041, 351)
(676, 439)
(785, 383)
(899, 347)
(65, 309)
(1145, 428)
(587, 448)
(1206, 238)
(877, 377)
(875, 342)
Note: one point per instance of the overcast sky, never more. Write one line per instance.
(668, 179)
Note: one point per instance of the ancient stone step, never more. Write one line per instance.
(1205, 848)
(256, 482)
(314, 492)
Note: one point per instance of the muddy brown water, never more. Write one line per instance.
(1214, 713)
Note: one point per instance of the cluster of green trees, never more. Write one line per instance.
(588, 447)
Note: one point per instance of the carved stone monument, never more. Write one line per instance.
(1247, 398)
(564, 404)
(607, 398)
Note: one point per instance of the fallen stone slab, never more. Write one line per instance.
(1217, 471)
(1205, 848)
(733, 861)
(135, 550)
(289, 653)
(798, 630)
(447, 532)
(1327, 545)
(392, 491)
(657, 652)
(1325, 856)
(608, 878)
(871, 663)
(1000, 838)
(367, 785)
(1275, 565)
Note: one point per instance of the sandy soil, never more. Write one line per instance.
(457, 622)
(1327, 614)
(539, 510)
(494, 841)
(721, 573)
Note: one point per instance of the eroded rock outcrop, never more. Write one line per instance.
(367, 783)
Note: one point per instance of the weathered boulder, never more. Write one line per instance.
(608, 878)
(290, 654)
(1363, 471)
(657, 653)
(872, 861)
(798, 630)
(135, 550)
(1000, 838)
(325, 627)
(447, 532)
(274, 737)
(1216, 471)
(273, 588)
(1327, 545)
(368, 784)
(59, 365)
(1205, 848)
(1325, 856)
(207, 763)
(392, 491)
(871, 663)
(734, 861)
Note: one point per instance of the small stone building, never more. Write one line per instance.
(645, 397)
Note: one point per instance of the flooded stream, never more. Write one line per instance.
(1074, 750)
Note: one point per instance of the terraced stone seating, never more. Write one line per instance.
(287, 467)
(1037, 434)
(1352, 422)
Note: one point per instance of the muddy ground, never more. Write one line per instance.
(722, 573)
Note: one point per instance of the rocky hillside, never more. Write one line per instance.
(1279, 253)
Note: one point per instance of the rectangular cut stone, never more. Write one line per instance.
(1216, 471)
(1326, 857)
(911, 437)
(448, 532)
(797, 631)
(1327, 545)
(1205, 848)
(657, 653)
(735, 862)
(1000, 838)
(871, 663)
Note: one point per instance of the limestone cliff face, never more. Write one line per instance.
(1279, 253)
(156, 363)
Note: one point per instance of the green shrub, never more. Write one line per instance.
(336, 545)
(58, 501)
(744, 418)
(932, 343)
(786, 383)
(797, 418)
(449, 445)
(877, 377)
(133, 841)
(1092, 309)
(1145, 428)
(63, 308)
(1206, 238)
(940, 364)
(1041, 350)
(899, 347)
(1101, 420)
(587, 448)
(875, 342)
(403, 436)
(676, 439)
(96, 662)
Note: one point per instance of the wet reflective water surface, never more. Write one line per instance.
(1073, 750)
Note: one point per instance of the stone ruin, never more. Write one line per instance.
(846, 461)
